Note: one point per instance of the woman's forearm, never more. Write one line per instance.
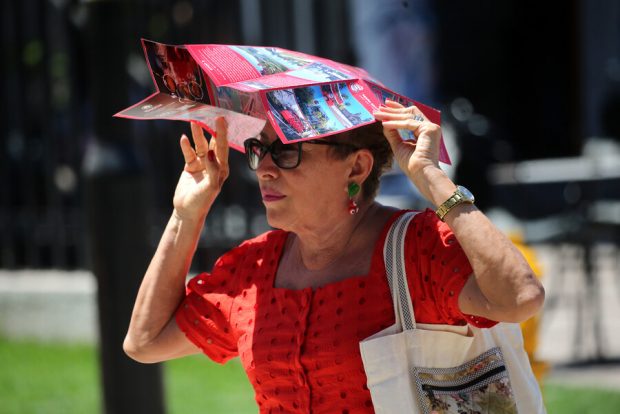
(510, 290)
(163, 286)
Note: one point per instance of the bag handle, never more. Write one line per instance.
(394, 258)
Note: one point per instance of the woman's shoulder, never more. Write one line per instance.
(255, 247)
(425, 231)
(270, 239)
(426, 219)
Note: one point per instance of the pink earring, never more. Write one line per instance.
(352, 190)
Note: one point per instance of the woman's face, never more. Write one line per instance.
(305, 197)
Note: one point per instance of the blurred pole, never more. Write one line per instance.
(116, 204)
(598, 47)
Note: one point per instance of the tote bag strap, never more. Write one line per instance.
(394, 257)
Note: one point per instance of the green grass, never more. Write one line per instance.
(195, 384)
(64, 379)
(55, 379)
(48, 379)
(561, 399)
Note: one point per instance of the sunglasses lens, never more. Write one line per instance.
(254, 151)
(285, 156)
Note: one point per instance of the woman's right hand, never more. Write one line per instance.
(206, 169)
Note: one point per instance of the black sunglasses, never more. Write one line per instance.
(285, 156)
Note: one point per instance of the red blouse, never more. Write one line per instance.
(300, 348)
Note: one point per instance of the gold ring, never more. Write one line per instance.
(200, 154)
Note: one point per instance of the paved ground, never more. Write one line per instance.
(581, 353)
(60, 306)
(605, 375)
(48, 305)
(580, 322)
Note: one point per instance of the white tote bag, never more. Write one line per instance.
(421, 368)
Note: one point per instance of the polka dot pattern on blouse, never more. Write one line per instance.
(300, 348)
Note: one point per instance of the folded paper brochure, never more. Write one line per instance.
(302, 96)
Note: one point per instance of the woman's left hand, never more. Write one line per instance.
(503, 286)
(414, 158)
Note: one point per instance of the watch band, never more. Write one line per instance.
(460, 196)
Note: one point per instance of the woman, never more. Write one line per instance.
(294, 303)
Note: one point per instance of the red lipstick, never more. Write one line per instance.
(269, 195)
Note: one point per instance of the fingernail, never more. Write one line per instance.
(211, 155)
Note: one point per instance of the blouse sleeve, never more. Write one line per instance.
(204, 315)
(437, 270)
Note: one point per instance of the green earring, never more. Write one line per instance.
(352, 190)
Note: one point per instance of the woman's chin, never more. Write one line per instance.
(276, 219)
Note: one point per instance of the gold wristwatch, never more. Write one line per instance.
(461, 195)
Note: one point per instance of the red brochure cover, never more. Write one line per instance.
(303, 96)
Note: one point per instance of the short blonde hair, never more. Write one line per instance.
(366, 137)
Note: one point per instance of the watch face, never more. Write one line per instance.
(466, 193)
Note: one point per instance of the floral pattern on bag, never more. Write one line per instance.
(480, 386)
(494, 398)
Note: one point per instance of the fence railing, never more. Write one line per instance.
(47, 115)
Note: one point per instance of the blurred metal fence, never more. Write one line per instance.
(46, 114)
(46, 103)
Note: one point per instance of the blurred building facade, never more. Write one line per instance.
(515, 80)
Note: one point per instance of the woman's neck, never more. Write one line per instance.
(324, 246)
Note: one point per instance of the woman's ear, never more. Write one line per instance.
(361, 166)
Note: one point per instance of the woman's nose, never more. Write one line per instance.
(266, 167)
